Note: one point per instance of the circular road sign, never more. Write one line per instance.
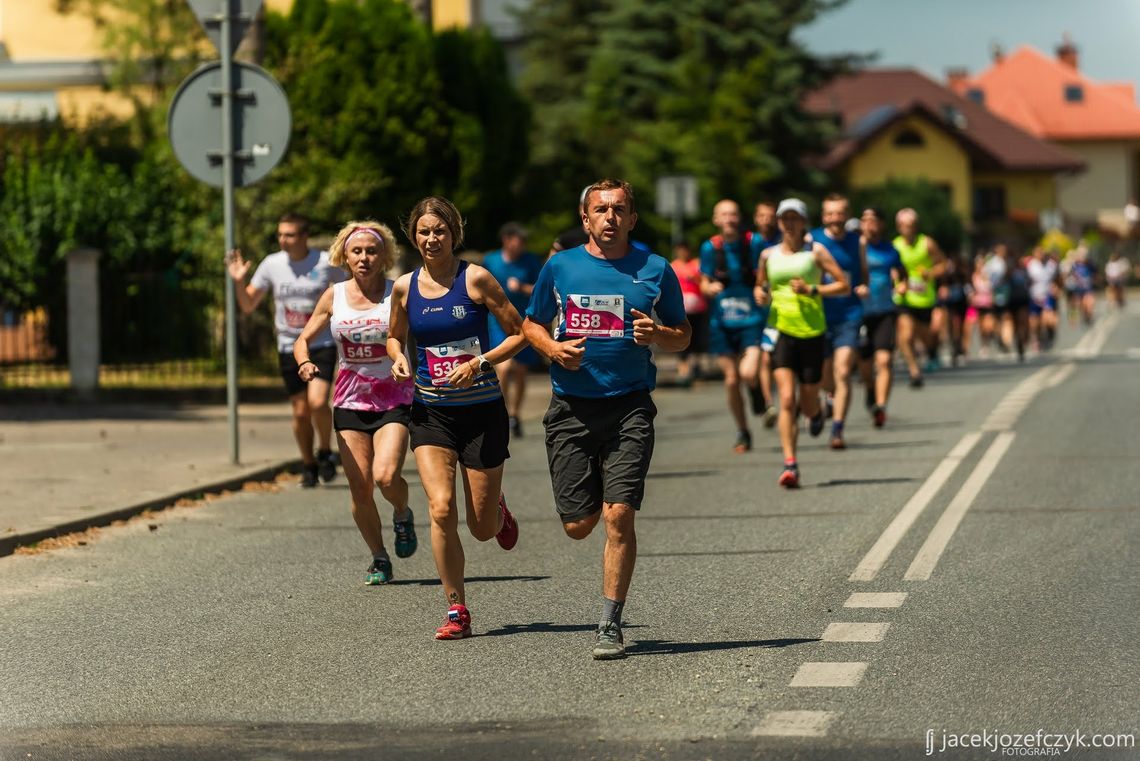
(262, 123)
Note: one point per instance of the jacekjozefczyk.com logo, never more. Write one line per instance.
(1039, 743)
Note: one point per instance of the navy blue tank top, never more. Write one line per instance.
(449, 331)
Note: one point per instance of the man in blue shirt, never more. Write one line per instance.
(844, 313)
(599, 428)
(766, 235)
(516, 269)
(880, 313)
(728, 273)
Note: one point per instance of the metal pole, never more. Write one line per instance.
(228, 214)
(678, 210)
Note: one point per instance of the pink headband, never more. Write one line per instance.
(368, 230)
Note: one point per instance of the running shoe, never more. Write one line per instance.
(771, 415)
(837, 441)
(608, 643)
(457, 625)
(380, 572)
(743, 442)
(406, 542)
(815, 424)
(326, 466)
(879, 416)
(917, 382)
(790, 476)
(309, 476)
(508, 534)
(516, 428)
(756, 396)
(932, 365)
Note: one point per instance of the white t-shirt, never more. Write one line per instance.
(1042, 273)
(1116, 270)
(296, 288)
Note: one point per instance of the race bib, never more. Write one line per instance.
(735, 308)
(595, 316)
(443, 359)
(364, 345)
(296, 318)
(916, 284)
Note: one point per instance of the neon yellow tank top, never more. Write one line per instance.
(794, 314)
(920, 290)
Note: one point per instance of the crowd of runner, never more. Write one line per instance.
(790, 313)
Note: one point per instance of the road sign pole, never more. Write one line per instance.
(228, 215)
(678, 214)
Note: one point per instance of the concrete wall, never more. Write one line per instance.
(940, 160)
(1107, 184)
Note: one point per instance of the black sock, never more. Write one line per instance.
(611, 611)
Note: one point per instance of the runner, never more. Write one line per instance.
(844, 314)
(793, 270)
(1116, 272)
(1084, 283)
(515, 269)
(599, 428)
(982, 302)
(688, 271)
(298, 276)
(880, 314)
(370, 409)
(767, 234)
(458, 419)
(728, 275)
(953, 302)
(924, 263)
(1044, 282)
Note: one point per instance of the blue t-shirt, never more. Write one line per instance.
(882, 257)
(592, 297)
(845, 251)
(734, 307)
(525, 268)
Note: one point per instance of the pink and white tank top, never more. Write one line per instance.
(364, 372)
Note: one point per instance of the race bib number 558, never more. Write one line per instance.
(443, 359)
(595, 316)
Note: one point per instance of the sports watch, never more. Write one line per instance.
(485, 365)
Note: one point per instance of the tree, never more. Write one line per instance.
(937, 217)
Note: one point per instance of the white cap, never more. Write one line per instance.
(792, 204)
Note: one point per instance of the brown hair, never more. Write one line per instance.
(611, 184)
(442, 208)
(337, 253)
(292, 218)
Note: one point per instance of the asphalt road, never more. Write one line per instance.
(241, 629)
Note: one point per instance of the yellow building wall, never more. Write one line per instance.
(1024, 191)
(940, 160)
(446, 14)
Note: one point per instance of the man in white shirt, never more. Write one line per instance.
(298, 276)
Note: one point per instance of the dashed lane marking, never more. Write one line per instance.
(795, 724)
(855, 632)
(875, 600)
(827, 674)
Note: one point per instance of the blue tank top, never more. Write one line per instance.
(449, 331)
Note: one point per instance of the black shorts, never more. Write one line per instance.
(370, 422)
(918, 314)
(878, 333)
(478, 433)
(803, 356)
(599, 451)
(325, 359)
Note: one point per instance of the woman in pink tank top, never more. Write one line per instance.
(370, 409)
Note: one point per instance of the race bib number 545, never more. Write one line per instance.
(443, 359)
(595, 316)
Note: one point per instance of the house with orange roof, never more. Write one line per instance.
(1098, 122)
(899, 123)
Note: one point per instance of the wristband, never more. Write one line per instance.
(304, 362)
(815, 290)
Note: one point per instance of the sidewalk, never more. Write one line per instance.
(67, 467)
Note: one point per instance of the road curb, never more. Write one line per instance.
(9, 544)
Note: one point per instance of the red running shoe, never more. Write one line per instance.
(508, 535)
(457, 625)
(790, 477)
(879, 416)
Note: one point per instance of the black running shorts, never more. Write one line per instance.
(599, 451)
(325, 359)
(366, 421)
(803, 356)
(478, 433)
(880, 330)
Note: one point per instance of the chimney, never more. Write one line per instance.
(1067, 53)
(956, 78)
(997, 53)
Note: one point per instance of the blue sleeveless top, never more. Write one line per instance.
(449, 331)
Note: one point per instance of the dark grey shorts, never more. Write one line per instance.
(599, 451)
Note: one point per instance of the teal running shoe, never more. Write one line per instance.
(380, 572)
(406, 542)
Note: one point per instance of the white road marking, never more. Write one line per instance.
(1009, 409)
(935, 544)
(855, 632)
(795, 724)
(1093, 341)
(1062, 375)
(875, 600)
(877, 556)
(819, 674)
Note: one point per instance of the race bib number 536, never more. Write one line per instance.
(595, 316)
(443, 359)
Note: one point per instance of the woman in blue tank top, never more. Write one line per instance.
(458, 418)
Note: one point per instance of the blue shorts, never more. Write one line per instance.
(1037, 307)
(528, 356)
(840, 334)
(723, 341)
